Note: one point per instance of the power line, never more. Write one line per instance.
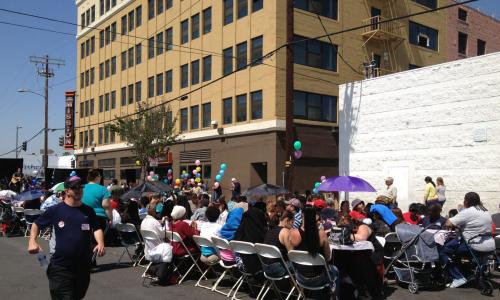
(28, 140)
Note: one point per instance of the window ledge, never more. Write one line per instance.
(316, 123)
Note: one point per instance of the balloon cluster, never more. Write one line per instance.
(220, 175)
(297, 145)
(197, 172)
(317, 184)
(152, 176)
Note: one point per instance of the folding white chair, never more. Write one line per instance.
(229, 266)
(30, 216)
(204, 242)
(306, 260)
(245, 248)
(129, 237)
(175, 237)
(272, 252)
(150, 239)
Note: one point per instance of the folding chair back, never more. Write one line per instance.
(151, 240)
(381, 240)
(307, 261)
(203, 241)
(128, 234)
(243, 247)
(220, 243)
(173, 236)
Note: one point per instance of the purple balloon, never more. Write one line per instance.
(297, 154)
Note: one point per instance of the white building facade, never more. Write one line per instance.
(442, 120)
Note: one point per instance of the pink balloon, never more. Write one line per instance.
(151, 173)
(192, 181)
(323, 178)
(197, 162)
(297, 154)
(149, 178)
(195, 172)
(216, 185)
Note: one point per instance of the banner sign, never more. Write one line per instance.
(69, 121)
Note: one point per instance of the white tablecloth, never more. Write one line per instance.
(356, 246)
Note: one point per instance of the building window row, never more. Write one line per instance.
(105, 6)
(157, 7)
(131, 20)
(162, 42)
(105, 136)
(87, 78)
(131, 57)
(314, 107)
(423, 36)
(107, 68)
(256, 49)
(107, 101)
(195, 25)
(240, 9)
(107, 35)
(87, 47)
(241, 108)
(130, 93)
(325, 8)
(86, 138)
(315, 54)
(87, 108)
(88, 17)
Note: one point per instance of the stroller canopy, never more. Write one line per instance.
(423, 241)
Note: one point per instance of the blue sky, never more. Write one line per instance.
(16, 72)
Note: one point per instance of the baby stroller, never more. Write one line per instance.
(8, 218)
(415, 263)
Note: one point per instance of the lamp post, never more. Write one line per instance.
(17, 140)
(45, 161)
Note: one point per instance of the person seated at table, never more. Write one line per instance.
(311, 238)
(412, 216)
(279, 236)
(434, 220)
(199, 214)
(344, 208)
(399, 215)
(185, 231)
(474, 223)
(358, 209)
(208, 230)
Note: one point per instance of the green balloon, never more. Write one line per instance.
(317, 184)
(297, 145)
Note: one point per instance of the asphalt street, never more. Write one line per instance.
(21, 277)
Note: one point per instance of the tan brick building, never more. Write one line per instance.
(155, 51)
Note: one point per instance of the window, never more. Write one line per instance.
(113, 99)
(195, 72)
(428, 3)
(242, 8)
(113, 65)
(131, 21)
(241, 55)
(169, 4)
(462, 43)
(82, 80)
(101, 103)
(87, 78)
(151, 9)
(423, 36)
(107, 35)
(82, 110)
(101, 38)
(227, 110)
(87, 48)
(314, 107)
(138, 91)
(184, 76)
(124, 96)
(481, 47)
(106, 102)
(228, 11)
(151, 47)
(413, 67)
(138, 54)
(107, 68)
(106, 135)
(169, 119)
(184, 31)
(207, 171)
(131, 57)
(91, 137)
(138, 16)
(100, 135)
(101, 71)
(207, 20)
(256, 105)
(169, 38)
(92, 107)
(184, 119)
(315, 54)
(130, 93)
(151, 87)
(113, 31)
(80, 135)
(227, 61)
(124, 24)
(82, 20)
(241, 108)
(92, 13)
(462, 14)
(206, 114)
(195, 117)
(256, 50)
(159, 43)
(101, 8)
(159, 7)
(107, 5)
(82, 50)
(207, 68)
(124, 60)
(195, 26)
(168, 81)
(159, 84)
(257, 5)
(87, 17)
(87, 108)
(325, 8)
(92, 44)
(92, 75)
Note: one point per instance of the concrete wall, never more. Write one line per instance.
(442, 120)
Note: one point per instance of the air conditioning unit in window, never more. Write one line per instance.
(214, 124)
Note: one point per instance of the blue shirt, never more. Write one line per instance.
(93, 194)
(74, 228)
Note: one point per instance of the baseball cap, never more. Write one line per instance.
(73, 182)
(318, 203)
(295, 202)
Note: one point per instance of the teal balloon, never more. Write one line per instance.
(315, 191)
(221, 172)
(316, 185)
(218, 177)
(165, 181)
(297, 145)
(155, 178)
(223, 166)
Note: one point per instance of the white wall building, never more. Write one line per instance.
(442, 120)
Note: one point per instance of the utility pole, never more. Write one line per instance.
(289, 96)
(17, 140)
(43, 64)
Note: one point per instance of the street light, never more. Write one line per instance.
(45, 163)
(17, 139)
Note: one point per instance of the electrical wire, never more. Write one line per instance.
(26, 141)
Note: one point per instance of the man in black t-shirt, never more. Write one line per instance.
(74, 225)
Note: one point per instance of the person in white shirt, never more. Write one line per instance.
(151, 223)
(208, 230)
(391, 191)
(475, 225)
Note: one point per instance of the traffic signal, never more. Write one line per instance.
(73, 163)
(61, 141)
(24, 146)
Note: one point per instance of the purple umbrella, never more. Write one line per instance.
(345, 184)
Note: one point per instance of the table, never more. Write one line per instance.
(356, 246)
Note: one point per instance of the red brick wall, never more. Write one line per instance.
(478, 26)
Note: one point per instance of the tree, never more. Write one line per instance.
(150, 133)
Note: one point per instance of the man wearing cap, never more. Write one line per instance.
(391, 191)
(74, 225)
(294, 207)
